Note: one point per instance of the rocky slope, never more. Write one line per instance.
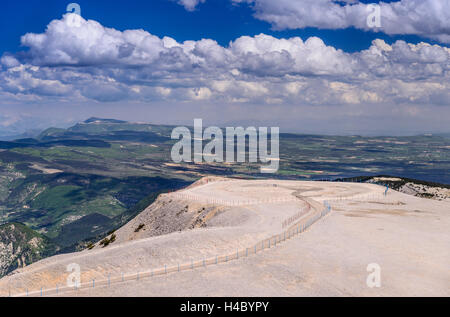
(415, 187)
(20, 246)
(163, 217)
(166, 215)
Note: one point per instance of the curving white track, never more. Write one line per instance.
(252, 211)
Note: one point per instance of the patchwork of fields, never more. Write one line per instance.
(76, 185)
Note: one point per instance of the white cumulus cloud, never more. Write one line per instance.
(190, 5)
(91, 62)
(427, 18)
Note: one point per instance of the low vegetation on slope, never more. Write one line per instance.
(75, 185)
(418, 188)
(20, 246)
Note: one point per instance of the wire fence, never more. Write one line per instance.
(232, 202)
(295, 225)
(293, 230)
(380, 196)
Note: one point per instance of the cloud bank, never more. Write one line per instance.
(88, 61)
(426, 18)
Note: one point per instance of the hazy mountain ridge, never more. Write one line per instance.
(107, 128)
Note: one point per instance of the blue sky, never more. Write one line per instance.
(218, 19)
(310, 66)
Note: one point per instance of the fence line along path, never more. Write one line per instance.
(283, 216)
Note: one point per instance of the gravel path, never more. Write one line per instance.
(365, 227)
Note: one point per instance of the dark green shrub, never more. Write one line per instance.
(141, 226)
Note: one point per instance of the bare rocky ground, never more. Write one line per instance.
(419, 190)
(406, 236)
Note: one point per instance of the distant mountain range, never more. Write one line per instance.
(25, 135)
(94, 132)
(100, 120)
(115, 124)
